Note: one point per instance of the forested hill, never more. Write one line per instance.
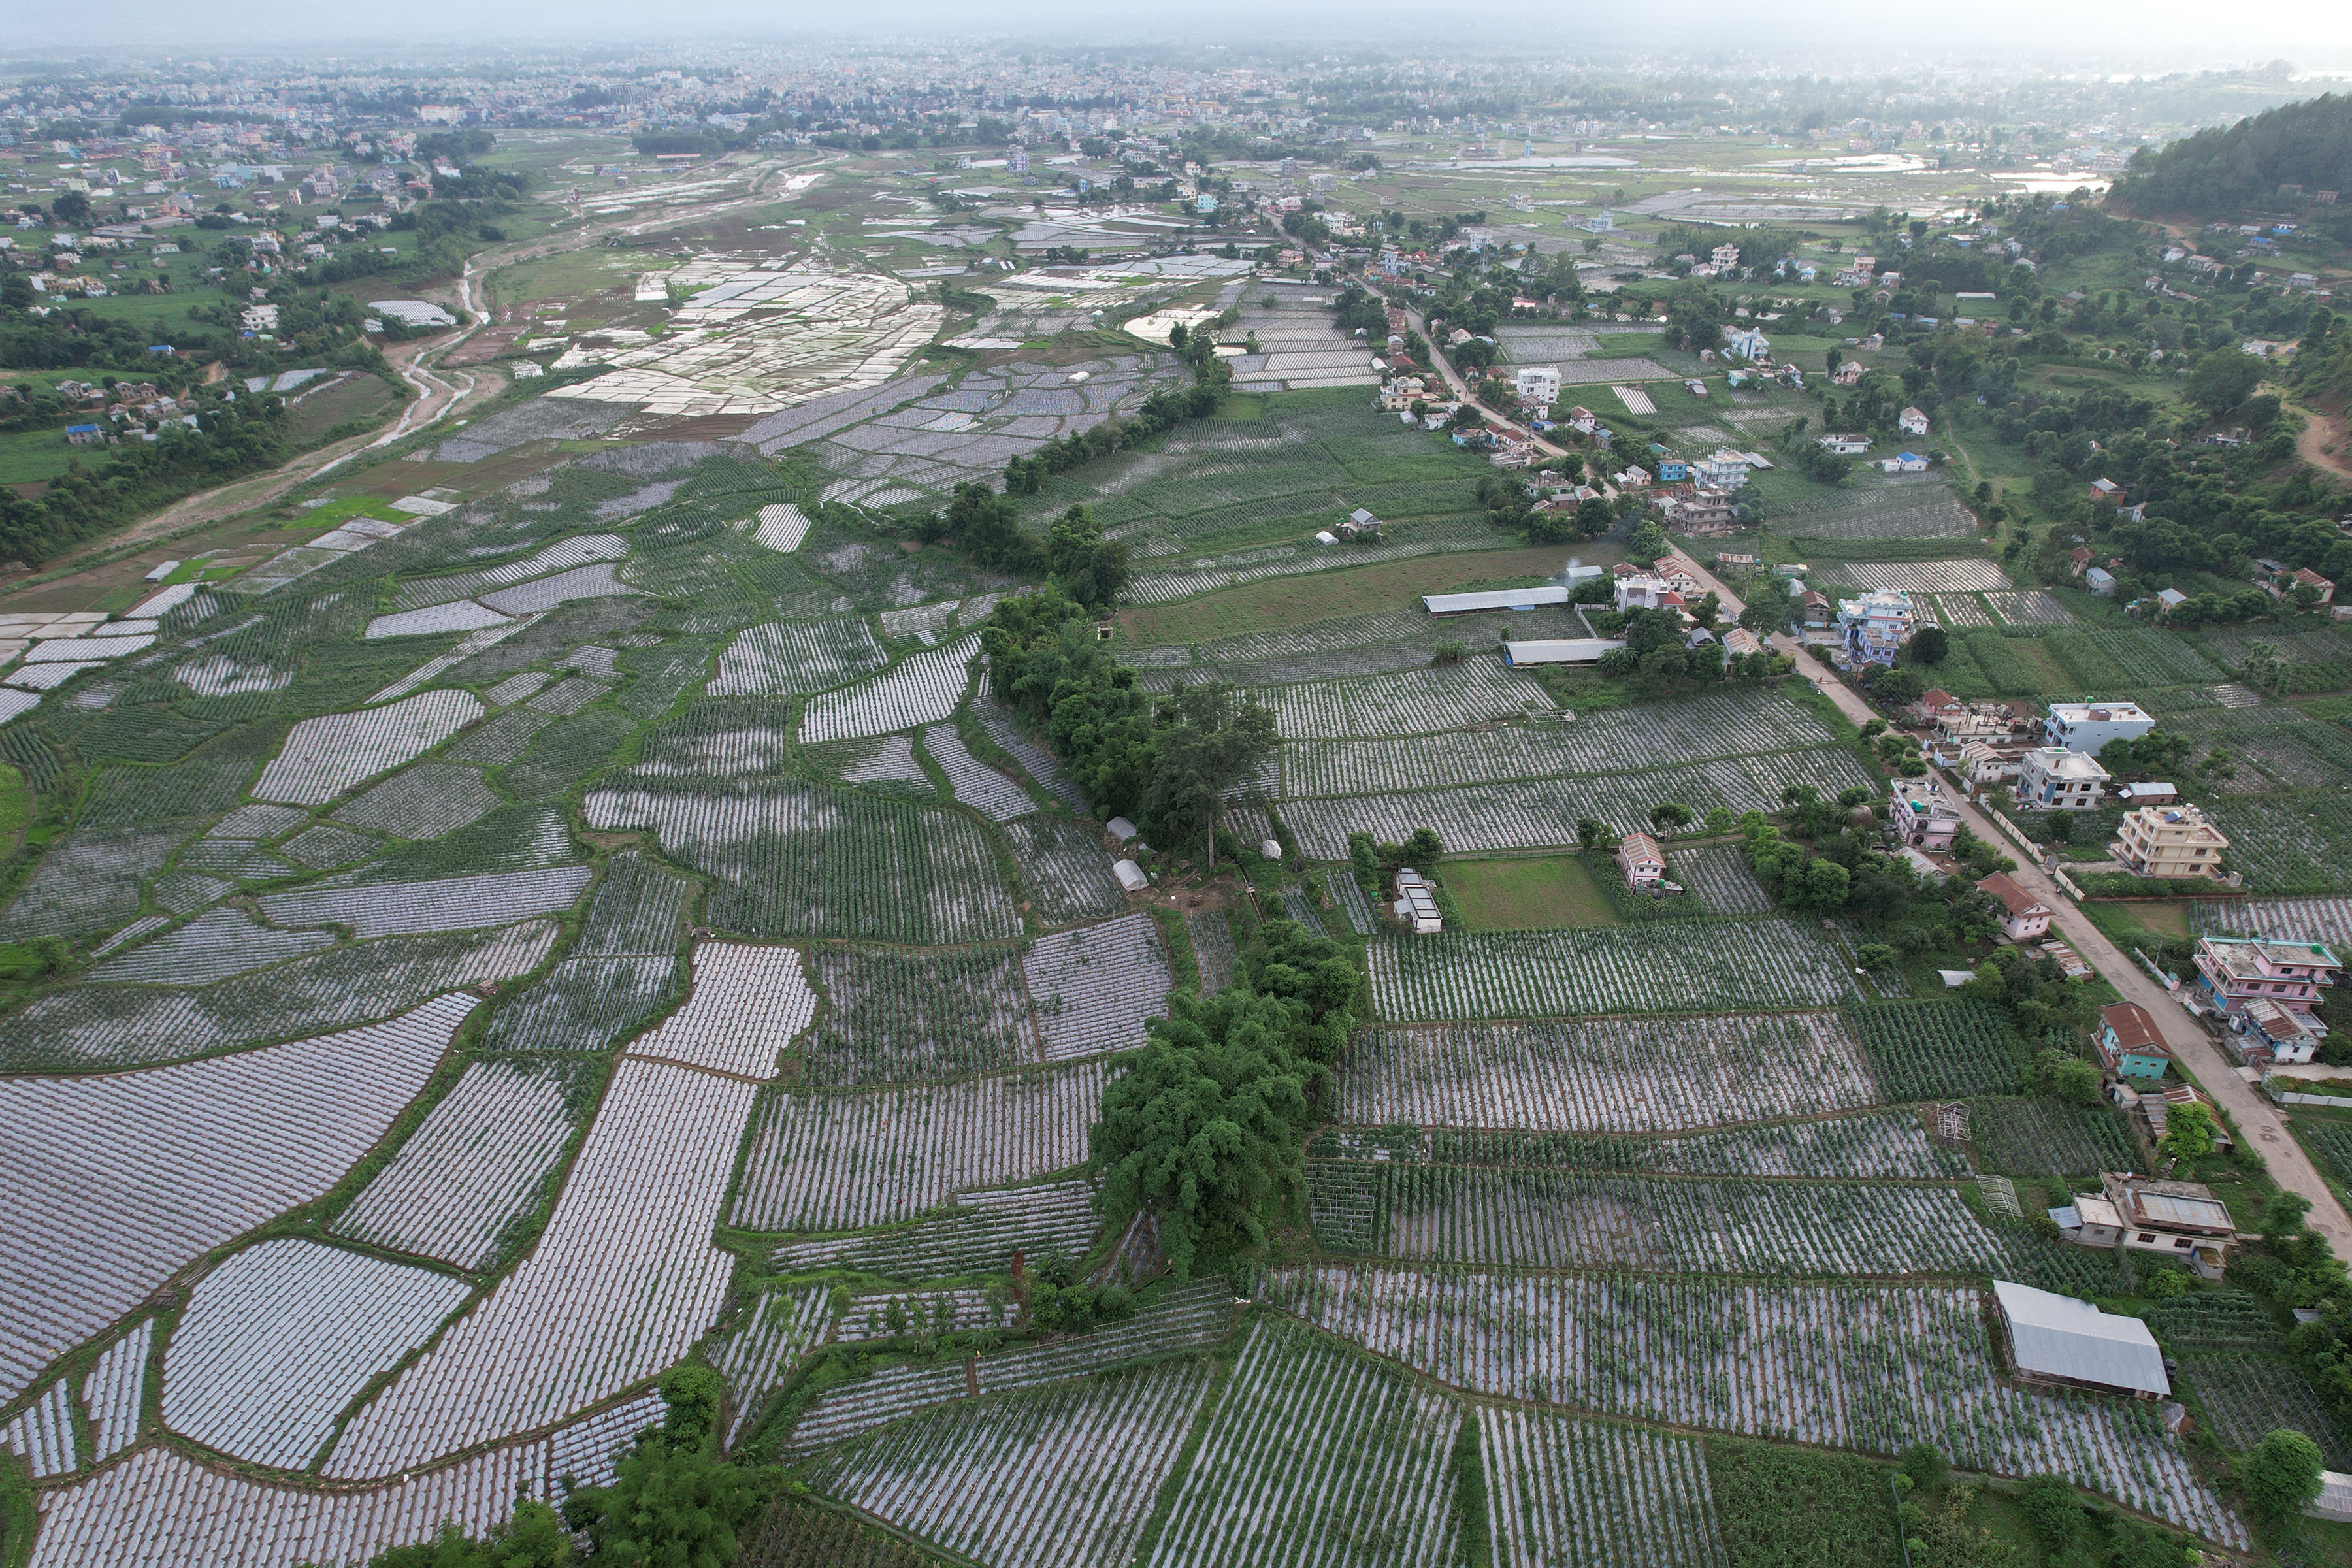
(2222, 173)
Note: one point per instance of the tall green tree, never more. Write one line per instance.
(1091, 568)
(671, 1504)
(2279, 1475)
(1209, 740)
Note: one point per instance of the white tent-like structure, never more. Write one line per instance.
(2060, 1338)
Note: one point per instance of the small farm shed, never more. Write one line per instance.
(2061, 1339)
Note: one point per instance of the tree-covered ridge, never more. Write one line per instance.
(2224, 170)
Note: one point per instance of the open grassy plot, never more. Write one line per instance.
(1527, 895)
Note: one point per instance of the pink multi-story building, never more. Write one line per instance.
(2236, 970)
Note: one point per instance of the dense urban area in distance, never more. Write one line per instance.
(912, 803)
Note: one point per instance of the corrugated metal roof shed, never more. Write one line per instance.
(1558, 650)
(1494, 599)
(2058, 1336)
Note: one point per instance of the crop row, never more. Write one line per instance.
(1064, 867)
(217, 945)
(782, 1327)
(786, 658)
(892, 1314)
(1877, 1143)
(1035, 759)
(115, 1391)
(980, 1235)
(1095, 985)
(452, 903)
(922, 690)
(43, 1433)
(119, 1181)
(585, 1004)
(1187, 1317)
(1312, 1451)
(1646, 737)
(323, 757)
(1877, 1368)
(1555, 1219)
(2249, 1393)
(2327, 920)
(277, 1339)
(561, 556)
(892, 1016)
(980, 788)
(1684, 967)
(1595, 1494)
(835, 1162)
(1409, 702)
(1544, 813)
(89, 883)
(792, 860)
(1929, 576)
(747, 1006)
(1938, 1050)
(2032, 1135)
(2298, 842)
(125, 1025)
(886, 762)
(477, 1161)
(623, 1279)
(1606, 1075)
(1061, 1474)
(1423, 536)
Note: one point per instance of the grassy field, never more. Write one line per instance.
(1391, 584)
(1527, 895)
(361, 397)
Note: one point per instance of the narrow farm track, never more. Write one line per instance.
(2191, 1046)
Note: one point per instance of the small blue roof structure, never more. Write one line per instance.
(82, 429)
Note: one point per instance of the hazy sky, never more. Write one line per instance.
(2121, 34)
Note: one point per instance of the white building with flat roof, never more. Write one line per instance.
(1537, 385)
(2055, 779)
(2086, 727)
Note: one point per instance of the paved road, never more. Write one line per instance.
(2195, 1050)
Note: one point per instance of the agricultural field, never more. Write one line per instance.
(1678, 967)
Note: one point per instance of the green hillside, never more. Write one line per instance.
(2224, 172)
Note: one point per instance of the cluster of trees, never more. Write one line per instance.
(1205, 1125)
(1090, 569)
(1168, 764)
(2225, 170)
(1826, 854)
(1161, 412)
(671, 1502)
(1510, 503)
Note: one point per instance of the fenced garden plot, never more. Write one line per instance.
(515, 688)
(585, 1004)
(43, 1433)
(1952, 610)
(780, 1328)
(2036, 1136)
(1938, 1050)
(719, 739)
(1718, 875)
(1056, 1474)
(747, 1006)
(502, 739)
(2028, 607)
(2331, 1141)
(788, 659)
(835, 1162)
(218, 943)
(659, 675)
(1605, 1074)
(978, 1236)
(2213, 1318)
(208, 781)
(637, 910)
(1601, 1496)
(1970, 577)
(2249, 1393)
(1891, 1144)
(1298, 905)
(568, 696)
(452, 903)
(883, 762)
(1638, 739)
(1354, 903)
(276, 1340)
(90, 883)
(478, 1162)
(184, 892)
(979, 786)
(1543, 813)
(1557, 1219)
(1677, 967)
(119, 1181)
(2149, 656)
(892, 1016)
(114, 1392)
(922, 690)
(1184, 1317)
(1094, 986)
(1871, 1367)
(324, 757)
(1409, 702)
(1316, 1456)
(99, 1025)
(1065, 869)
(2291, 842)
(622, 1282)
(793, 859)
